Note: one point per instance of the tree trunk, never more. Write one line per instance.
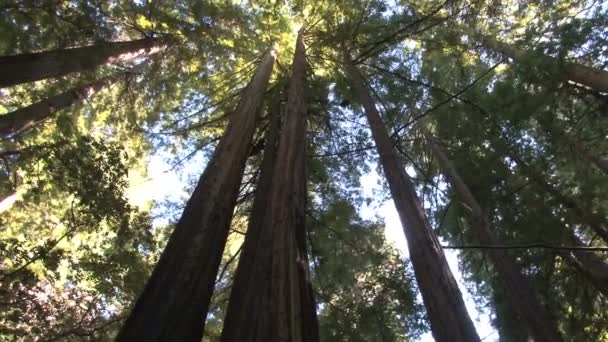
(596, 222)
(275, 302)
(236, 317)
(31, 67)
(175, 301)
(588, 263)
(593, 78)
(540, 322)
(22, 119)
(442, 298)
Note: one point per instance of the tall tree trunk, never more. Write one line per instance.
(593, 267)
(442, 298)
(275, 302)
(590, 265)
(540, 322)
(310, 327)
(175, 301)
(31, 67)
(236, 317)
(22, 119)
(593, 78)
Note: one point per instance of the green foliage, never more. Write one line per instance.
(364, 287)
(76, 248)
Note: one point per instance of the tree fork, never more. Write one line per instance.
(30, 67)
(447, 313)
(175, 301)
(522, 298)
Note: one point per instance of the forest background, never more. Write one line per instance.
(513, 92)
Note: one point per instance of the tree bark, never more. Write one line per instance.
(37, 66)
(442, 298)
(276, 302)
(589, 264)
(236, 317)
(593, 78)
(522, 298)
(22, 119)
(175, 301)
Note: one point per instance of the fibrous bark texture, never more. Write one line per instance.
(276, 302)
(175, 301)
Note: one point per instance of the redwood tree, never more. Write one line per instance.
(175, 301)
(22, 119)
(521, 296)
(442, 298)
(29, 67)
(274, 297)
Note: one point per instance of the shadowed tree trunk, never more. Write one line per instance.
(593, 78)
(442, 298)
(275, 300)
(520, 295)
(310, 327)
(23, 119)
(594, 221)
(236, 317)
(593, 267)
(175, 301)
(31, 67)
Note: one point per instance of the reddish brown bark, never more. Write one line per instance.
(175, 301)
(277, 303)
(442, 298)
(522, 298)
(31, 67)
(256, 237)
